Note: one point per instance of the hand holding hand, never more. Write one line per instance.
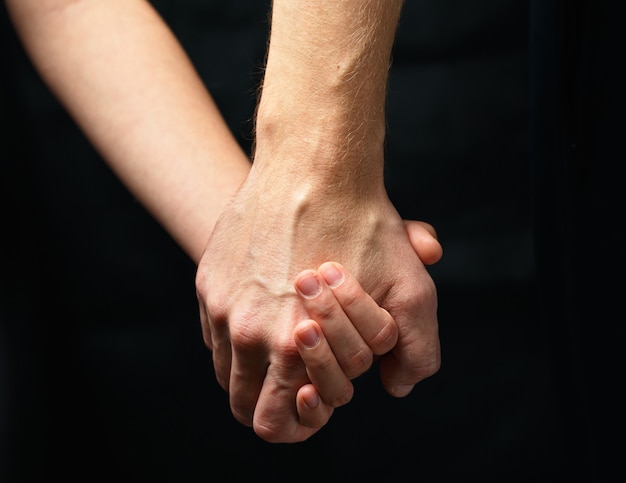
(249, 308)
(343, 317)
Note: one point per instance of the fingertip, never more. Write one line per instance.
(432, 251)
(310, 398)
(312, 412)
(332, 273)
(425, 242)
(307, 284)
(307, 334)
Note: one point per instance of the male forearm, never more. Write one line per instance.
(323, 95)
(124, 78)
(315, 193)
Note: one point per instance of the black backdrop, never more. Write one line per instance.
(103, 374)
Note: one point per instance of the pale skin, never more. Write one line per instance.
(315, 193)
(124, 78)
(335, 301)
(134, 93)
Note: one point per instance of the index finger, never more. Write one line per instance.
(375, 324)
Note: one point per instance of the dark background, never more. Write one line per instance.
(103, 373)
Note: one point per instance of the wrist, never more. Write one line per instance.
(312, 165)
(306, 210)
(322, 137)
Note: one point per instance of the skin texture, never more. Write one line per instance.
(126, 81)
(315, 193)
(339, 302)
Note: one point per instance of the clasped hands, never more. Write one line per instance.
(286, 338)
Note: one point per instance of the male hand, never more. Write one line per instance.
(276, 227)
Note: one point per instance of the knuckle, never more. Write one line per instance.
(385, 339)
(422, 298)
(351, 296)
(426, 299)
(200, 281)
(286, 351)
(203, 283)
(320, 365)
(245, 333)
(432, 367)
(215, 311)
(358, 362)
(430, 363)
(419, 356)
(324, 311)
(343, 398)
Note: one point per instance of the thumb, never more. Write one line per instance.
(423, 238)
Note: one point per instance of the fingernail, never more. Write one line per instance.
(308, 286)
(333, 276)
(311, 401)
(401, 391)
(309, 337)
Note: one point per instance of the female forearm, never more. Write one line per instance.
(126, 81)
